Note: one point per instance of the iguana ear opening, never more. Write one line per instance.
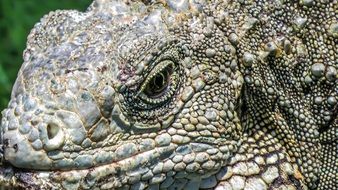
(241, 108)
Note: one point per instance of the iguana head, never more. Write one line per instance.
(124, 94)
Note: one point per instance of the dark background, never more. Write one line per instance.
(17, 18)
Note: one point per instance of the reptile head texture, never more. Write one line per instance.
(170, 95)
(124, 89)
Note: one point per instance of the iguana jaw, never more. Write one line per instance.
(119, 173)
(156, 164)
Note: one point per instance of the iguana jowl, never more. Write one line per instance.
(177, 94)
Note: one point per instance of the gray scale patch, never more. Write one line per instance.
(25, 128)
(167, 182)
(126, 150)
(33, 135)
(209, 182)
(84, 161)
(163, 140)
(103, 157)
(157, 178)
(37, 144)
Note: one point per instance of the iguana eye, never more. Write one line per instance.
(160, 83)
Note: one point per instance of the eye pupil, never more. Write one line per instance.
(159, 83)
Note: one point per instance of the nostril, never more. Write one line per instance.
(52, 130)
(15, 146)
(53, 137)
(6, 142)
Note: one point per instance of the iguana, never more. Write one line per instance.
(177, 94)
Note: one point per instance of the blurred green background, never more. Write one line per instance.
(17, 17)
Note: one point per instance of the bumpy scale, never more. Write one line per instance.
(177, 94)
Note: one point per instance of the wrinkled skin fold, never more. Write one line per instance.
(176, 95)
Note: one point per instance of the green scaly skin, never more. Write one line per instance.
(177, 95)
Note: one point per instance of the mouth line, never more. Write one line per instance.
(12, 176)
